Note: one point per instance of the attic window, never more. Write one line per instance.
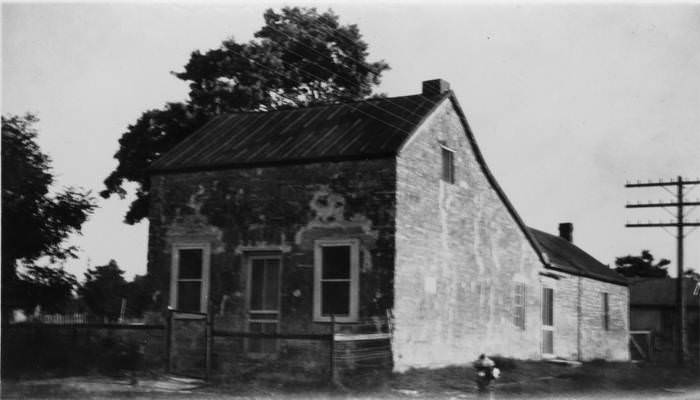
(448, 165)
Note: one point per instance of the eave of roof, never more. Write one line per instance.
(494, 184)
(566, 257)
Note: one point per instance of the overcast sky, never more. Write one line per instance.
(566, 101)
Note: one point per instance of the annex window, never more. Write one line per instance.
(189, 279)
(448, 165)
(336, 280)
(606, 311)
(547, 321)
(519, 297)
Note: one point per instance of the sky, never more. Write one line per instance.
(567, 101)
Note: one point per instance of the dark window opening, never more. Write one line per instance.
(264, 288)
(448, 166)
(335, 280)
(606, 311)
(190, 264)
(189, 280)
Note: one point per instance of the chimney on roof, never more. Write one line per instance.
(435, 87)
(566, 231)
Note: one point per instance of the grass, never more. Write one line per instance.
(520, 379)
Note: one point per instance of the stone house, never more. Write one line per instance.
(378, 209)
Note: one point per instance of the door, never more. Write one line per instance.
(263, 303)
(547, 321)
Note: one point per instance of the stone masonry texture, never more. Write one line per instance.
(277, 210)
(459, 255)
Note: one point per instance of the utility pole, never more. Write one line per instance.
(679, 224)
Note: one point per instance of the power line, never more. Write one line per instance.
(345, 79)
(348, 104)
(329, 29)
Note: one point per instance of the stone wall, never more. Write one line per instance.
(278, 210)
(459, 255)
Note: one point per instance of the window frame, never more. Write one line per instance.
(354, 278)
(606, 310)
(254, 316)
(448, 168)
(548, 316)
(175, 272)
(519, 305)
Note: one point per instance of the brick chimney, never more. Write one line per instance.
(566, 231)
(435, 87)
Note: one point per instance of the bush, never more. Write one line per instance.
(505, 364)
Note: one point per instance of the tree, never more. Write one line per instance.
(642, 266)
(299, 57)
(139, 295)
(104, 289)
(50, 288)
(691, 273)
(35, 222)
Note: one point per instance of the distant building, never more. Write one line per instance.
(653, 309)
(382, 209)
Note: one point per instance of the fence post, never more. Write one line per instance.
(332, 351)
(168, 339)
(209, 341)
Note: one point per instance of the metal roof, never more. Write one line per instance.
(661, 292)
(369, 128)
(566, 256)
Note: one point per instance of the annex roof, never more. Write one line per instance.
(660, 292)
(364, 129)
(567, 257)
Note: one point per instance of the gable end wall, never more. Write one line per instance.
(459, 255)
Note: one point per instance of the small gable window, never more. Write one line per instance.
(448, 165)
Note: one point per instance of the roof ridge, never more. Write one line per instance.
(340, 103)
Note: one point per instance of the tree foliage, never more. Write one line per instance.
(642, 266)
(139, 295)
(691, 273)
(35, 222)
(104, 289)
(299, 57)
(50, 288)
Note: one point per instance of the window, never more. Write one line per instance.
(606, 311)
(519, 305)
(448, 165)
(547, 321)
(336, 278)
(263, 302)
(189, 281)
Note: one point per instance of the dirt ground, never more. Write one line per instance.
(520, 380)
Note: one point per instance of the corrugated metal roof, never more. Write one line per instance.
(570, 258)
(373, 127)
